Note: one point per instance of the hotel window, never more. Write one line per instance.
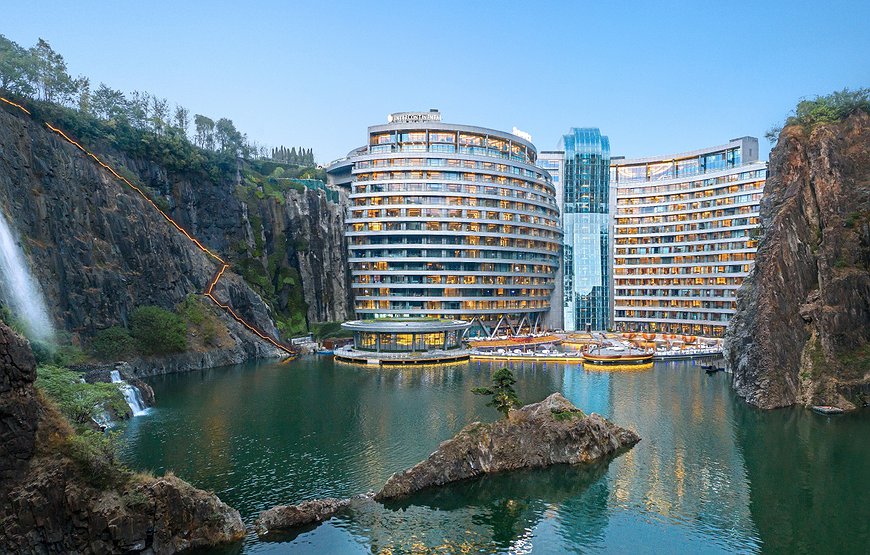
(383, 138)
(413, 137)
(435, 137)
(472, 140)
(661, 171)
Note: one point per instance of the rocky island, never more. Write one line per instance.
(801, 333)
(538, 435)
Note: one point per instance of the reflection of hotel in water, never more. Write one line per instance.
(686, 236)
(450, 221)
(692, 460)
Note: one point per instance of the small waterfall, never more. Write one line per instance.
(131, 394)
(20, 289)
(103, 420)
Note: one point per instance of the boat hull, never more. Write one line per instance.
(628, 360)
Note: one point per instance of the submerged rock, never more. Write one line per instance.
(285, 517)
(541, 434)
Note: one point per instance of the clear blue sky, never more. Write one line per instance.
(656, 77)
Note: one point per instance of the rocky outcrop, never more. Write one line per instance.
(285, 517)
(537, 435)
(99, 251)
(57, 498)
(55, 511)
(801, 333)
(18, 406)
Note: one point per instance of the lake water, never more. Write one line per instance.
(710, 475)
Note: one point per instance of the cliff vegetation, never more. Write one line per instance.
(265, 210)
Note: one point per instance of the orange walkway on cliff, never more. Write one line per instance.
(208, 293)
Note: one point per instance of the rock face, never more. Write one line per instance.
(801, 333)
(285, 517)
(55, 512)
(99, 250)
(50, 504)
(18, 406)
(537, 435)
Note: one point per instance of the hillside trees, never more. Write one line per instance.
(16, 72)
(52, 81)
(41, 73)
(301, 157)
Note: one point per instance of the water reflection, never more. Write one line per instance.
(709, 475)
(810, 479)
(494, 513)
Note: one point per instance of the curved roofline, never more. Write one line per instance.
(622, 161)
(406, 325)
(451, 126)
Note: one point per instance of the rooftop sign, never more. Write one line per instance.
(522, 134)
(414, 117)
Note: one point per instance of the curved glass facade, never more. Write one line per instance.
(397, 336)
(452, 221)
(686, 235)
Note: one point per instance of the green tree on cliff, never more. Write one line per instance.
(17, 70)
(504, 398)
(824, 109)
(158, 331)
(52, 81)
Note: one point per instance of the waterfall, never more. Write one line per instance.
(131, 394)
(103, 420)
(20, 288)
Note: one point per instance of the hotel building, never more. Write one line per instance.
(450, 221)
(686, 234)
(581, 173)
(554, 162)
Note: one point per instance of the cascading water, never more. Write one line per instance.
(131, 393)
(20, 288)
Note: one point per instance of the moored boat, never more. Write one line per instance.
(827, 409)
(609, 356)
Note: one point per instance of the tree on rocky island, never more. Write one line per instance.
(504, 397)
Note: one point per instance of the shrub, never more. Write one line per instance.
(11, 320)
(824, 109)
(326, 330)
(852, 219)
(158, 331)
(830, 108)
(77, 400)
(96, 455)
(196, 315)
(113, 343)
(567, 414)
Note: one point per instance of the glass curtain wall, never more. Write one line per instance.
(586, 224)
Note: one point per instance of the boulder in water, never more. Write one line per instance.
(285, 517)
(538, 435)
